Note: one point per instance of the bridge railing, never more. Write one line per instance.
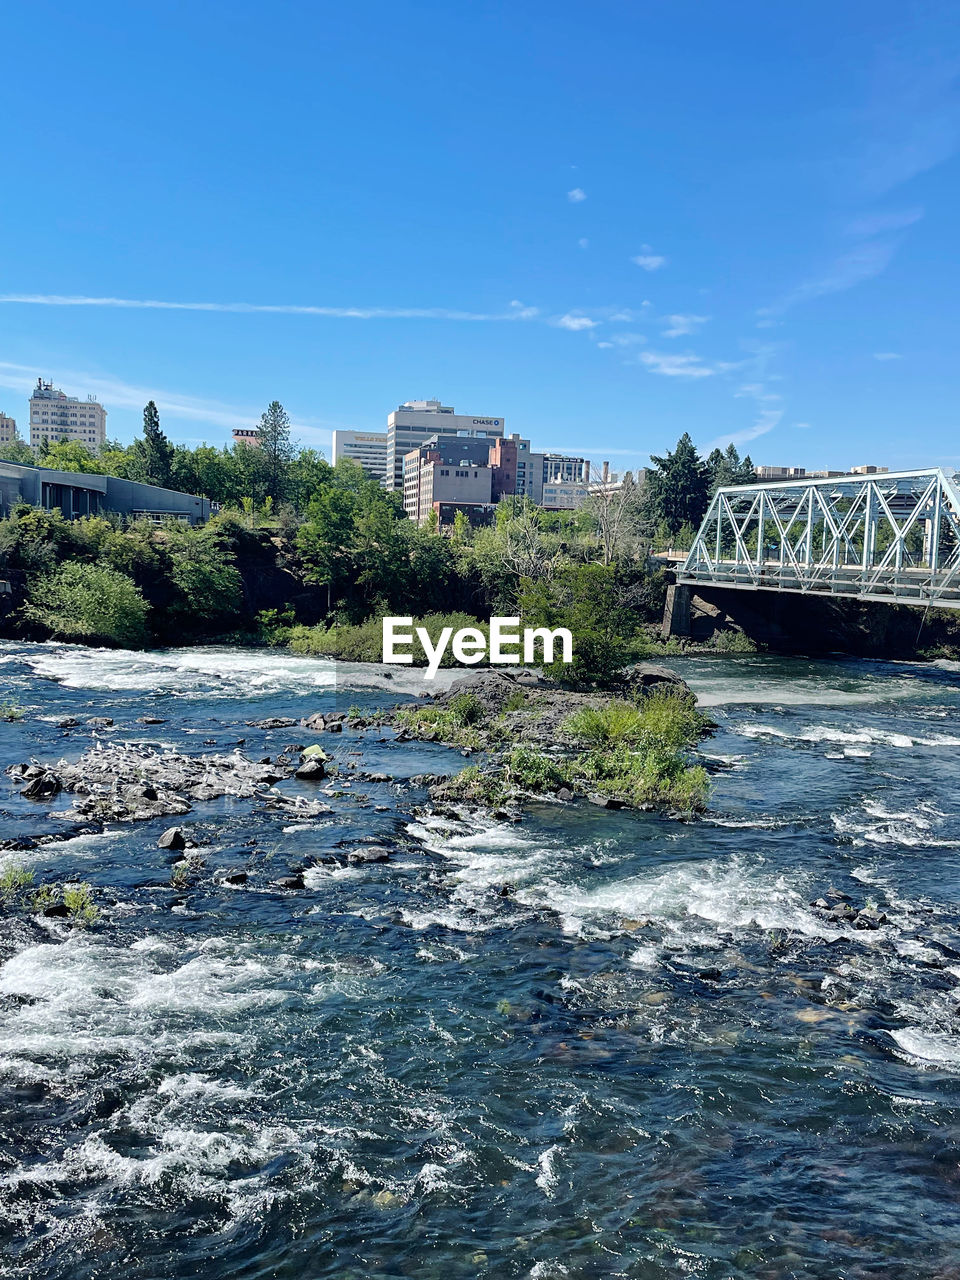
(893, 536)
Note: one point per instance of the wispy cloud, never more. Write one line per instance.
(877, 224)
(887, 355)
(676, 366)
(577, 195)
(583, 242)
(862, 263)
(626, 339)
(116, 394)
(516, 310)
(649, 260)
(575, 323)
(801, 426)
(680, 325)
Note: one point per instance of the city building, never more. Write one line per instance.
(416, 421)
(78, 494)
(8, 428)
(800, 473)
(56, 416)
(246, 435)
(367, 448)
(779, 473)
(447, 474)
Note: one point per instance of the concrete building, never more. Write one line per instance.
(449, 474)
(367, 448)
(246, 435)
(779, 473)
(77, 494)
(8, 428)
(56, 416)
(416, 421)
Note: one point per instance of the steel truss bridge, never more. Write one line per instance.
(893, 537)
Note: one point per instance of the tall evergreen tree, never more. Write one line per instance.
(677, 491)
(275, 449)
(728, 468)
(153, 454)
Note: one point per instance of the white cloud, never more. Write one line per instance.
(887, 355)
(627, 339)
(649, 260)
(575, 323)
(675, 366)
(577, 195)
(604, 345)
(802, 426)
(516, 312)
(583, 242)
(680, 325)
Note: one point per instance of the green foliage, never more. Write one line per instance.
(516, 702)
(453, 722)
(531, 770)
(590, 601)
(14, 883)
(677, 490)
(89, 602)
(364, 642)
(152, 461)
(732, 642)
(78, 899)
(274, 450)
(11, 711)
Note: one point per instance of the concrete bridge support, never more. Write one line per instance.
(676, 612)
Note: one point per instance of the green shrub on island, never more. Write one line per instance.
(453, 723)
(89, 602)
(18, 894)
(11, 711)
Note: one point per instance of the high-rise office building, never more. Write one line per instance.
(8, 428)
(367, 448)
(56, 416)
(417, 420)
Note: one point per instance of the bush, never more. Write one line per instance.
(89, 602)
(666, 718)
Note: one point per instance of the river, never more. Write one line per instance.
(595, 1044)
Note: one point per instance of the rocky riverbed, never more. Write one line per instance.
(407, 1036)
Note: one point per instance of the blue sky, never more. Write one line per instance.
(609, 223)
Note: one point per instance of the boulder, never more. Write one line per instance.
(68, 722)
(172, 838)
(42, 786)
(57, 911)
(316, 722)
(100, 722)
(290, 882)
(150, 720)
(368, 853)
(235, 877)
(272, 722)
(314, 752)
(311, 771)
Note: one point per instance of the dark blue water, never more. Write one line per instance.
(651, 1059)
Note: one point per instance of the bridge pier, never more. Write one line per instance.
(676, 612)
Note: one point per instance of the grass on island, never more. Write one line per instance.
(11, 711)
(637, 753)
(18, 894)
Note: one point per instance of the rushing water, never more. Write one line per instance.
(651, 1058)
